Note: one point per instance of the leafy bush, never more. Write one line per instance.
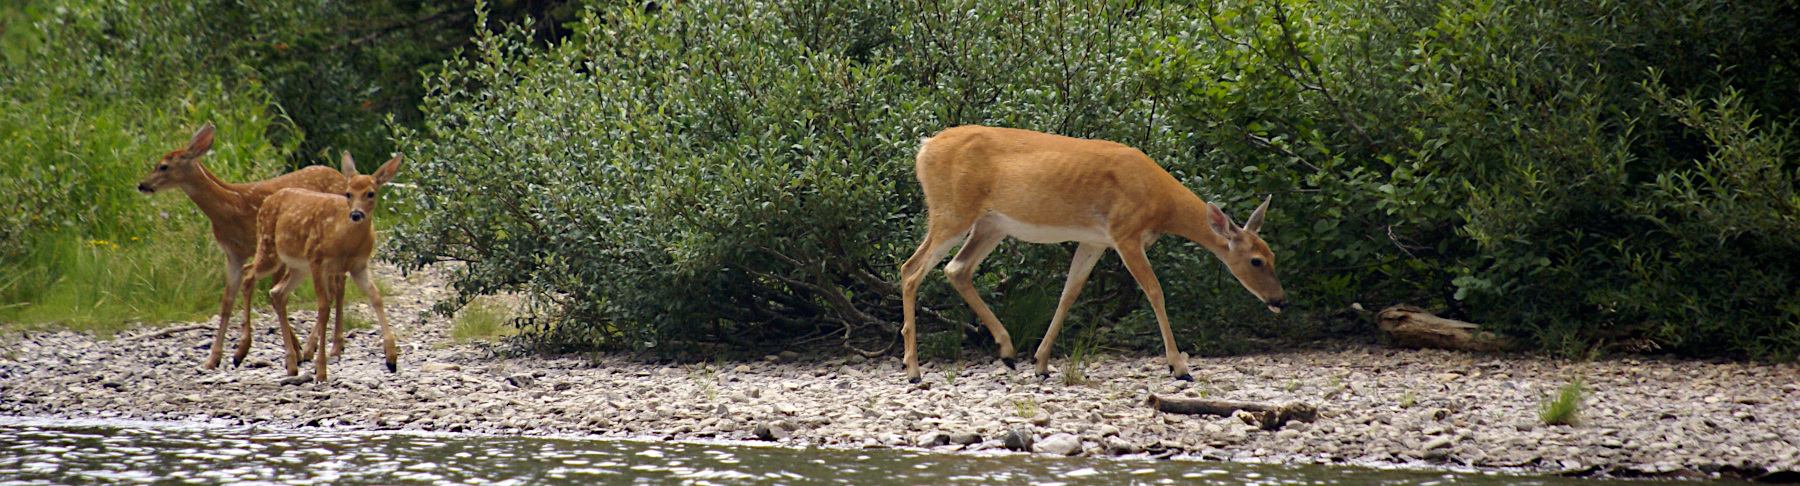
(1570, 173)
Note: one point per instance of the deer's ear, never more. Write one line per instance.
(1221, 225)
(201, 142)
(1254, 223)
(387, 170)
(349, 165)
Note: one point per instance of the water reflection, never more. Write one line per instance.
(45, 451)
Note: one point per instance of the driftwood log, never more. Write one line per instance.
(1412, 327)
(1263, 415)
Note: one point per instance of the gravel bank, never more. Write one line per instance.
(1640, 417)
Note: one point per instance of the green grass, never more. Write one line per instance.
(1565, 407)
(102, 286)
(1081, 353)
(481, 320)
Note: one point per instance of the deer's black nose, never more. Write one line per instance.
(144, 188)
(356, 216)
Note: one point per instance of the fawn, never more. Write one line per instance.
(325, 235)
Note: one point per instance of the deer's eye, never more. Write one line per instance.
(348, 196)
(370, 195)
(1256, 262)
(162, 167)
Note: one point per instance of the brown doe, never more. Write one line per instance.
(983, 184)
(231, 208)
(325, 235)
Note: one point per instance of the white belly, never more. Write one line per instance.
(296, 265)
(1047, 234)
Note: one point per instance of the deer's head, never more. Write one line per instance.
(361, 191)
(180, 167)
(1247, 256)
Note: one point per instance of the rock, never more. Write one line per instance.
(521, 380)
(1119, 447)
(1287, 434)
(964, 438)
(771, 432)
(789, 356)
(784, 408)
(1016, 439)
(1436, 443)
(563, 386)
(741, 368)
(1059, 445)
(438, 367)
(932, 439)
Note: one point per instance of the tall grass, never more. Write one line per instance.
(104, 286)
(91, 94)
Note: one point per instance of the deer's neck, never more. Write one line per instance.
(217, 199)
(1189, 220)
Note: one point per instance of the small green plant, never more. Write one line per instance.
(1027, 407)
(1081, 353)
(481, 320)
(705, 376)
(1409, 399)
(1564, 408)
(950, 372)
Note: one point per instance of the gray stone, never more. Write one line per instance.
(932, 439)
(1118, 447)
(521, 380)
(965, 438)
(1059, 445)
(437, 367)
(1017, 439)
(1436, 443)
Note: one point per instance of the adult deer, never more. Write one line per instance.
(325, 235)
(231, 208)
(983, 184)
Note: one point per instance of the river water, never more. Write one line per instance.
(62, 451)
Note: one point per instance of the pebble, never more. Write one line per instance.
(1059, 445)
(1659, 417)
(1017, 439)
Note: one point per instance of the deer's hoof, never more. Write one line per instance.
(1011, 364)
(1043, 377)
(1185, 377)
(915, 380)
(393, 367)
(297, 380)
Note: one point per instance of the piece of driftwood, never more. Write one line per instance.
(1263, 415)
(170, 330)
(1412, 327)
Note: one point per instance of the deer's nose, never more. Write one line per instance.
(356, 216)
(145, 188)
(1277, 305)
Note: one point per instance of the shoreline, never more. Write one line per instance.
(1379, 407)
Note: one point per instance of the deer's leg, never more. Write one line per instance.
(1132, 252)
(234, 272)
(361, 276)
(938, 241)
(1086, 256)
(284, 288)
(337, 328)
(321, 280)
(961, 272)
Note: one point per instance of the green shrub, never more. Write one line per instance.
(1566, 172)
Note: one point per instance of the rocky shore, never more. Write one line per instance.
(1377, 407)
